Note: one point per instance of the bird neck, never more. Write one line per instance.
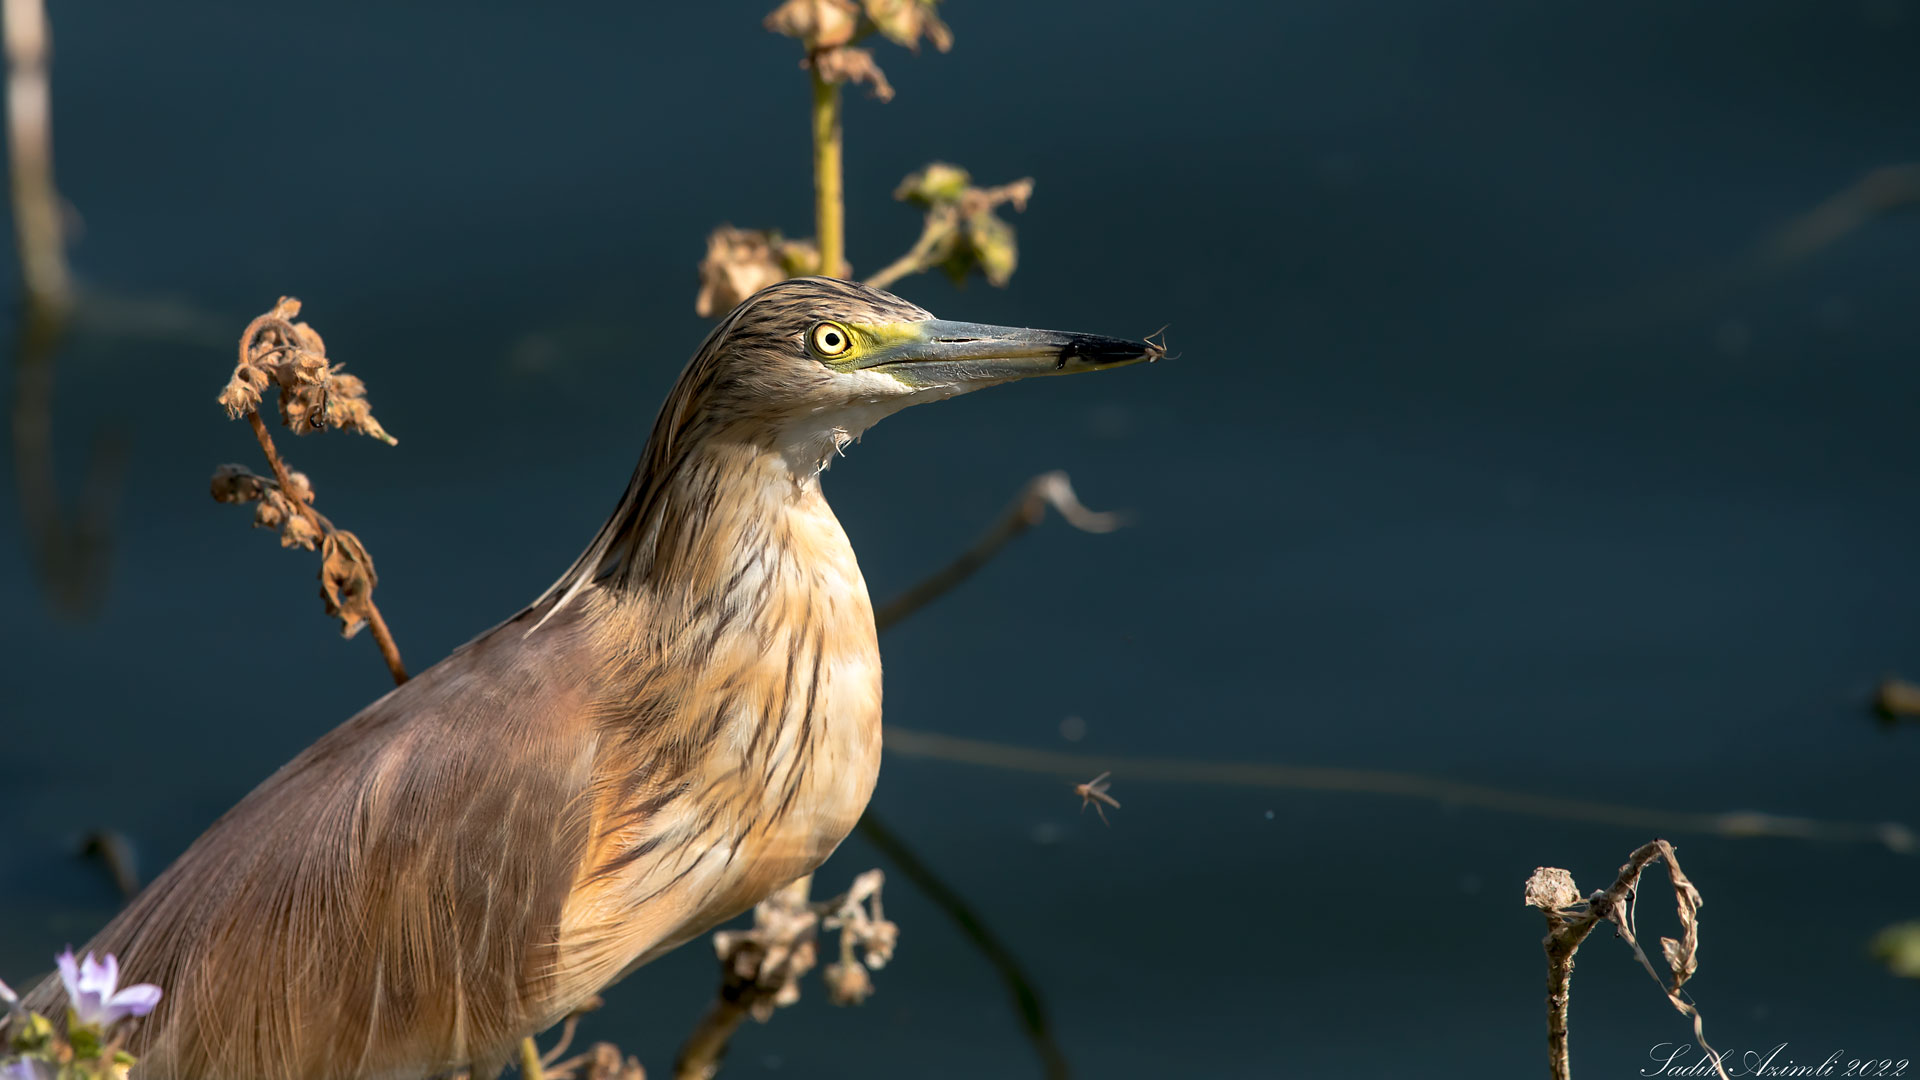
(710, 501)
(731, 512)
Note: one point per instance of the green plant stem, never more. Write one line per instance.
(918, 258)
(530, 1068)
(829, 207)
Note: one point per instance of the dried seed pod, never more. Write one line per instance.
(847, 984)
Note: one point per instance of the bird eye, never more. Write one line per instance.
(830, 339)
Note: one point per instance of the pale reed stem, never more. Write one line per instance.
(37, 214)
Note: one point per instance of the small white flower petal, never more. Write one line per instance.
(69, 973)
(137, 1000)
(27, 1069)
(99, 976)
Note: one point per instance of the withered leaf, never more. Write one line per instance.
(346, 579)
(905, 22)
(818, 24)
(847, 64)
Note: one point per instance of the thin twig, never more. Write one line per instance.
(1026, 999)
(1028, 509)
(382, 636)
(1895, 836)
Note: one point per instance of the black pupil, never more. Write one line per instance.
(832, 339)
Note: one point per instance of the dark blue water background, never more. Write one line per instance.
(1488, 454)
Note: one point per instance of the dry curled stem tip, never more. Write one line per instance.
(315, 393)
(1029, 508)
(1055, 489)
(1570, 919)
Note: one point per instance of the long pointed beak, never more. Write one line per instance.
(938, 352)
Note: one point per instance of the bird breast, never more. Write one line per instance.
(769, 751)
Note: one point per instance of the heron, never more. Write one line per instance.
(684, 722)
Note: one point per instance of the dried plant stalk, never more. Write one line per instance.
(1570, 919)
(315, 394)
(761, 967)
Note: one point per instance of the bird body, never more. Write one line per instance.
(687, 721)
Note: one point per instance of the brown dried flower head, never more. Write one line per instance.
(314, 393)
(847, 984)
(741, 262)
(1551, 889)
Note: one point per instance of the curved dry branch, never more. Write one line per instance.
(1028, 509)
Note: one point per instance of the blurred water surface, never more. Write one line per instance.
(1487, 454)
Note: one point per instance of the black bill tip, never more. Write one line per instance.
(1096, 350)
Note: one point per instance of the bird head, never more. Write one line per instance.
(818, 360)
(794, 373)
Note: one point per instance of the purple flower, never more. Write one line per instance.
(91, 991)
(27, 1069)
